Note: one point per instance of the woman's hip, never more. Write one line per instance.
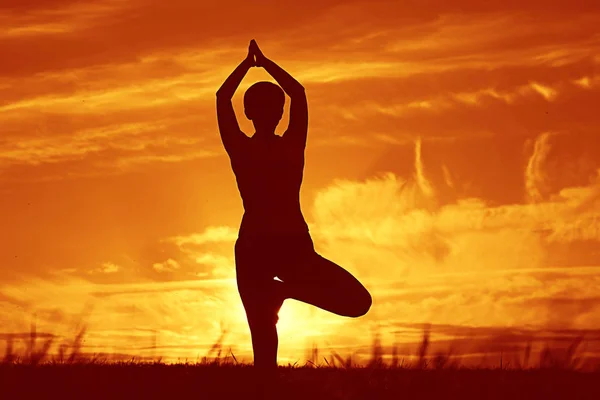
(267, 254)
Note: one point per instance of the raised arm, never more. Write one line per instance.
(231, 135)
(298, 126)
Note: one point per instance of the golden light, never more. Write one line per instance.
(452, 165)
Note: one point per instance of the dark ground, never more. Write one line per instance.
(144, 381)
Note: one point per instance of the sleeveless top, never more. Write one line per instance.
(269, 175)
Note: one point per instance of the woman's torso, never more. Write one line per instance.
(269, 175)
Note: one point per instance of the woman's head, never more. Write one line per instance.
(263, 105)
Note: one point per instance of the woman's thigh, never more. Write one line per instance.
(254, 276)
(316, 280)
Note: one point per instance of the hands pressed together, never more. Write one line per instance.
(228, 125)
(255, 56)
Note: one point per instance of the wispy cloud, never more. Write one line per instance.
(535, 175)
(547, 92)
(422, 181)
(213, 234)
(57, 19)
(109, 268)
(167, 266)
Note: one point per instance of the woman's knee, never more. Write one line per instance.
(263, 315)
(361, 304)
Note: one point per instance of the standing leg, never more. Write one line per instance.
(261, 312)
(326, 285)
(262, 301)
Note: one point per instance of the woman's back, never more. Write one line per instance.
(269, 175)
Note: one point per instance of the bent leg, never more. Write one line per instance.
(328, 286)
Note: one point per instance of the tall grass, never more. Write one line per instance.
(38, 346)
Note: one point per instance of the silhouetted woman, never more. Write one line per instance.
(274, 240)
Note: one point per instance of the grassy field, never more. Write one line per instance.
(36, 372)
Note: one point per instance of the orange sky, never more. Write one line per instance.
(453, 166)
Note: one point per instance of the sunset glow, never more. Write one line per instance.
(452, 166)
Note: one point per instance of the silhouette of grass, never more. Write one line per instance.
(35, 372)
(38, 346)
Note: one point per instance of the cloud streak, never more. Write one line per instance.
(534, 173)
